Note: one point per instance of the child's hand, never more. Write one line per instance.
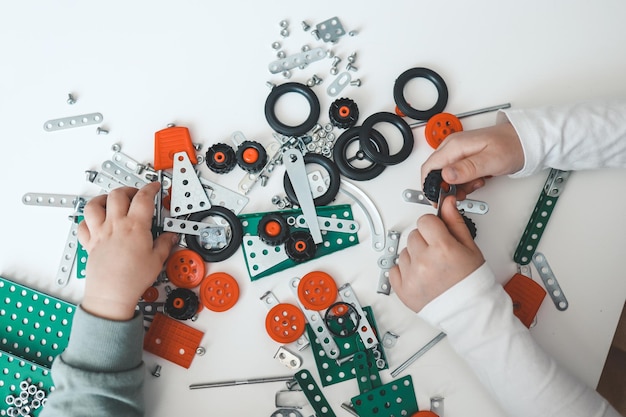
(123, 260)
(438, 255)
(467, 158)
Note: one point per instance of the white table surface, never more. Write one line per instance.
(203, 65)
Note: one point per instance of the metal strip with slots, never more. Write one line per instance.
(368, 337)
(121, 175)
(51, 200)
(549, 280)
(331, 224)
(541, 214)
(72, 122)
(297, 60)
(317, 324)
(387, 261)
(467, 205)
(69, 256)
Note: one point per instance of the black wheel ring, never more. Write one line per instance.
(216, 255)
(368, 146)
(187, 310)
(333, 187)
(271, 240)
(430, 75)
(276, 93)
(432, 185)
(341, 159)
(297, 255)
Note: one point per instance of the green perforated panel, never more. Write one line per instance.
(396, 398)
(333, 241)
(35, 329)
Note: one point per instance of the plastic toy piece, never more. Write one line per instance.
(317, 290)
(396, 398)
(424, 413)
(367, 375)
(440, 126)
(343, 113)
(168, 142)
(220, 158)
(251, 156)
(150, 295)
(527, 296)
(285, 323)
(300, 246)
(273, 229)
(182, 304)
(172, 340)
(219, 292)
(185, 268)
(314, 394)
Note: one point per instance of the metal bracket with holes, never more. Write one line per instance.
(387, 261)
(297, 60)
(287, 358)
(188, 195)
(541, 214)
(331, 224)
(222, 196)
(467, 205)
(339, 84)
(549, 280)
(330, 30)
(72, 122)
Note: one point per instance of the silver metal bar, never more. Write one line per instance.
(241, 382)
(469, 113)
(417, 354)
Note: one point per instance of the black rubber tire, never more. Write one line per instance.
(344, 162)
(236, 229)
(368, 146)
(278, 239)
(333, 172)
(187, 310)
(340, 120)
(217, 166)
(276, 93)
(255, 166)
(296, 255)
(470, 225)
(405, 107)
(432, 185)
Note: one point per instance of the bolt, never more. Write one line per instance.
(315, 34)
(101, 131)
(157, 371)
(306, 48)
(284, 23)
(197, 146)
(334, 71)
(336, 61)
(316, 80)
(270, 84)
(276, 45)
(353, 32)
(116, 147)
(200, 351)
(276, 199)
(351, 67)
(305, 26)
(263, 179)
(70, 99)
(281, 54)
(171, 125)
(352, 58)
(356, 83)
(287, 74)
(284, 33)
(310, 82)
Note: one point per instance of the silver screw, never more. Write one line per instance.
(284, 23)
(336, 61)
(276, 45)
(351, 67)
(315, 34)
(287, 74)
(353, 32)
(200, 351)
(157, 371)
(101, 131)
(334, 71)
(306, 48)
(305, 26)
(116, 147)
(70, 99)
(356, 83)
(316, 80)
(352, 58)
(281, 54)
(270, 84)
(284, 33)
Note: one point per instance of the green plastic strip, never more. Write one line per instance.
(329, 370)
(35, 329)
(540, 216)
(314, 394)
(396, 398)
(367, 375)
(333, 241)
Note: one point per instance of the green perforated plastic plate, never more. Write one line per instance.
(396, 398)
(35, 329)
(333, 240)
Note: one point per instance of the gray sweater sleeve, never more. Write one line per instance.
(101, 372)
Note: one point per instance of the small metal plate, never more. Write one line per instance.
(330, 30)
(339, 84)
(188, 195)
(51, 200)
(387, 261)
(331, 224)
(72, 122)
(549, 280)
(314, 394)
(69, 256)
(222, 196)
(297, 60)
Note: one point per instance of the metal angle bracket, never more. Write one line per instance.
(188, 195)
(387, 261)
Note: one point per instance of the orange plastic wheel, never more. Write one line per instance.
(317, 290)
(285, 323)
(185, 268)
(250, 155)
(150, 295)
(424, 413)
(219, 292)
(439, 127)
(399, 112)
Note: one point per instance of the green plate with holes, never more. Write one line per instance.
(257, 257)
(397, 398)
(35, 329)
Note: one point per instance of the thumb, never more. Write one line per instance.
(468, 169)
(455, 222)
(163, 245)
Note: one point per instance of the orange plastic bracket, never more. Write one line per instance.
(169, 141)
(172, 340)
(527, 296)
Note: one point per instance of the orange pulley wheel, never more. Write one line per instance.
(219, 292)
(185, 268)
(424, 413)
(150, 295)
(285, 323)
(317, 290)
(439, 127)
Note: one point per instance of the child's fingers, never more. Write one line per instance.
(142, 205)
(163, 245)
(84, 235)
(118, 202)
(95, 211)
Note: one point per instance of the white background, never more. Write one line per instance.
(204, 65)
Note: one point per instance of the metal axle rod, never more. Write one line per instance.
(241, 382)
(469, 113)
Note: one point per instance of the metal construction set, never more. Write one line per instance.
(319, 159)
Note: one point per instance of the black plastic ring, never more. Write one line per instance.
(280, 127)
(344, 162)
(405, 107)
(377, 155)
(333, 186)
(216, 255)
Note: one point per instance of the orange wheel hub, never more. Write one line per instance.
(185, 268)
(439, 127)
(317, 290)
(219, 292)
(285, 323)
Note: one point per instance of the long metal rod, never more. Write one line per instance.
(417, 354)
(469, 113)
(241, 382)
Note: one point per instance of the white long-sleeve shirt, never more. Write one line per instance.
(477, 314)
